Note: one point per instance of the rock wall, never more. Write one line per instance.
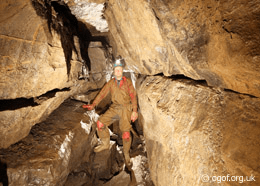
(44, 50)
(215, 40)
(209, 126)
(192, 130)
(32, 62)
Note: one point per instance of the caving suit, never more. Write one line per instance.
(123, 96)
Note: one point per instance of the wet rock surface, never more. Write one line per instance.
(192, 130)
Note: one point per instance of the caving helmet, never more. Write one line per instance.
(119, 62)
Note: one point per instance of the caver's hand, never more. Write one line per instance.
(89, 107)
(134, 116)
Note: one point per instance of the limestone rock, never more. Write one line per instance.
(40, 56)
(99, 63)
(105, 163)
(77, 179)
(32, 65)
(86, 98)
(192, 130)
(102, 167)
(121, 179)
(201, 40)
(52, 150)
(32, 62)
(16, 123)
(140, 169)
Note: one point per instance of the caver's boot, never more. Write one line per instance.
(104, 136)
(127, 140)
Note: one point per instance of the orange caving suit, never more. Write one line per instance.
(123, 103)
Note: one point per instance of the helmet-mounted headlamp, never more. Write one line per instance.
(119, 62)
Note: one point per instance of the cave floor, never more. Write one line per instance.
(74, 162)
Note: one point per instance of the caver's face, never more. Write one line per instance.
(118, 71)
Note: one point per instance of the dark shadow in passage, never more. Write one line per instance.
(3, 174)
(84, 40)
(14, 104)
(85, 37)
(66, 25)
(60, 19)
(133, 181)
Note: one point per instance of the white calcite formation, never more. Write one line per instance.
(89, 12)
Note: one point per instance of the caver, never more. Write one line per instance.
(123, 108)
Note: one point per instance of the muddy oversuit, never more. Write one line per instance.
(124, 102)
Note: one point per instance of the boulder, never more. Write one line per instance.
(107, 162)
(52, 150)
(16, 123)
(121, 179)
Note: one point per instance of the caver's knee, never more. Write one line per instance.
(100, 125)
(126, 136)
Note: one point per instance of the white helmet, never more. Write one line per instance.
(119, 62)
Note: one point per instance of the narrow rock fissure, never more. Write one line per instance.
(183, 77)
(14, 104)
(188, 80)
(52, 93)
(233, 91)
(61, 20)
(156, 15)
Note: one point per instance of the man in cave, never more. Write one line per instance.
(123, 108)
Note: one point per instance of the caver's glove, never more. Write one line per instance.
(89, 107)
(134, 116)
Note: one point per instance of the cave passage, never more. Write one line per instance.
(195, 68)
